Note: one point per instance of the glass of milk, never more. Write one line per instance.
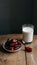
(27, 30)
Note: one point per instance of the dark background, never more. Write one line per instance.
(15, 13)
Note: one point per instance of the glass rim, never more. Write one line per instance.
(28, 25)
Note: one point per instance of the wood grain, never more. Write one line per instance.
(32, 56)
(17, 58)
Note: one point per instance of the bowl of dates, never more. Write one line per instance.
(12, 45)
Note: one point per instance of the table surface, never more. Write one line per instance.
(20, 57)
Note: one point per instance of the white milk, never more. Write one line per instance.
(27, 34)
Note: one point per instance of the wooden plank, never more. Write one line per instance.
(17, 58)
(32, 56)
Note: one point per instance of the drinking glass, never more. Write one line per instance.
(28, 31)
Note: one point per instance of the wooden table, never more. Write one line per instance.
(18, 58)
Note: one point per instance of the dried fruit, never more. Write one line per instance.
(14, 40)
(13, 44)
(19, 43)
(28, 49)
(10, 48)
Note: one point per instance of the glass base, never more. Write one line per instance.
(26, 42)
